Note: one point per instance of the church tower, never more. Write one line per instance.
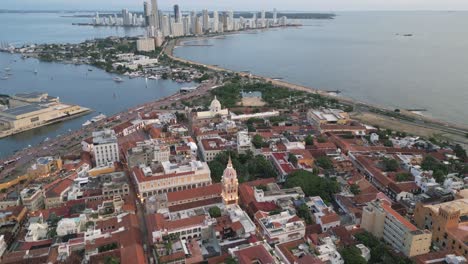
(230, 185)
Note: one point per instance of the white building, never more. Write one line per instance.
(36, 232)
(177, 29)
(145, 44)
(105, 148)
(280, 228)
(365, 252)
(68, 226)
(244, 142)
(215, 109)
(32, 198)
(328, 253)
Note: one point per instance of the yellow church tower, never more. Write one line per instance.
(230, 185)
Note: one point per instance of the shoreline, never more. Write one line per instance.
(403, 116)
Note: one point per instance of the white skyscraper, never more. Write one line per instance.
(177, 29)
(154, 14)
(187, 25)
(230, 20)
(262, 18)
(275, 16)
(215, 21)
(193, 20)
(165, 26)
(206, 20)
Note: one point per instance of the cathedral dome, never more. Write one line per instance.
(215, 105)
(229, 172)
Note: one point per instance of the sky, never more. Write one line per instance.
(245, 5)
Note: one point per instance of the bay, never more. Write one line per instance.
(363, 54)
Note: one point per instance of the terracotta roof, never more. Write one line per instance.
(387, 207)
(200, 192)
(253, 253)
(58, 188)
(158, 222)
(196, 204)
(286, 248)
(330, 218)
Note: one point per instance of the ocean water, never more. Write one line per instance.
(73, 84)
(362, 54)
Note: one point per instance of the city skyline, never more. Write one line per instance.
(243, 5)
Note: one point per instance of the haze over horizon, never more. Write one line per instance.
(244, 5)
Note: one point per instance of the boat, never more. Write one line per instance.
(90, 69)
(35, 71)
(154, 77)
(117, 79)
(4, 78)
(133, 75)
(87, 123)
(98, 118)
(7, 69)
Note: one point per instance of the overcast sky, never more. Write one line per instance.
(296, 5)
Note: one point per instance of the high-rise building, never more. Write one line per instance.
(206, 20)
(177, 14)
(187, 25)
(125, 17)
(193, 22)
(215, 21)
(165, 26)
(105, 147)
(231, 20)
(275, 16)
(146, 13)
(155, 20)
(381, 220)
(177, 29)
(198, 26)
(263, 18)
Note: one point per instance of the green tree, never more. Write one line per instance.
(439, 176)
(293, 159)
(304, 213)
(390, 164)
(257, 141)
(403, 176)
(313, 185)
(354, 189)
(324, 162)
(215, 212)
(352, 255)
(309, 140)
(460, 152)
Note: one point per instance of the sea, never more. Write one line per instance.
(72, 84)
(405, 60)
(398, 60)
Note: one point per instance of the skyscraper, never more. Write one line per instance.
(155, 14)
(177, 14)
(206, 20)
(215, 21)
(275, 16)
(193, 20)
(146, 13)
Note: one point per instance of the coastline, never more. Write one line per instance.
(455, 132)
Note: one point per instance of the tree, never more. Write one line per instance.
(304, 213)
(257, 141)
(460, 152)
(321, 139)
(230, 260)
(354, 189)
(313, 185)
(324, 162)
(215, 212)
(352, 255)
(293, 159)
(309, 140)
(439, 176)
(403, 176)
(390, 164)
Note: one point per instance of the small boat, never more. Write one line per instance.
(4, 78)
(155, 77)
(7, 69)
(35, 71)
(90, 69)
(87, 123)
(98, 118)
(117, 79)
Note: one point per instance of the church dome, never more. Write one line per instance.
(215, 105)
(229, 172)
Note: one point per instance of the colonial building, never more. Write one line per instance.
(214, 114)
(230, 185)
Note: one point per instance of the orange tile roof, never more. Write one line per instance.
(387, 207)
(210, 190)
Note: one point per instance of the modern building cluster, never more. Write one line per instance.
(176, 24)
(173, 187)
